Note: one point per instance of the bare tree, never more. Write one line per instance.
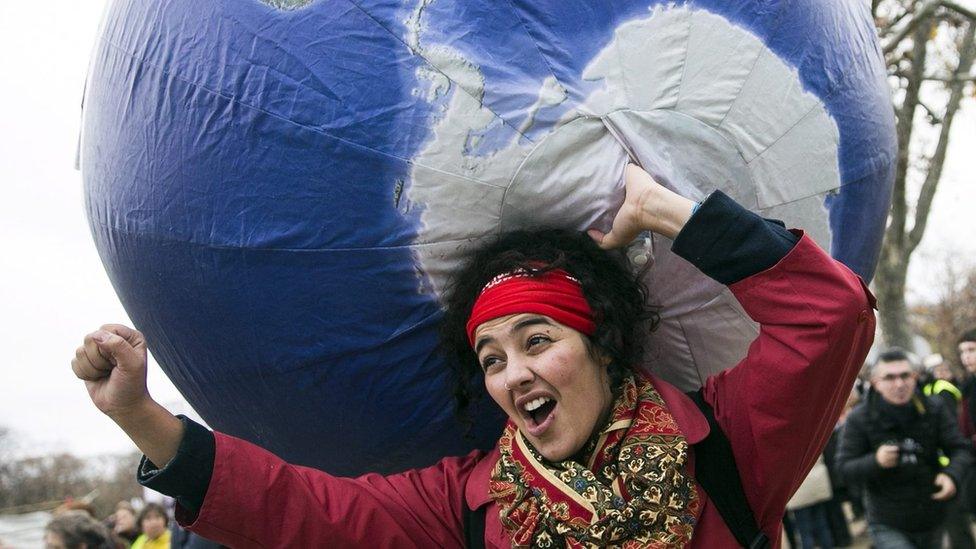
(44, 482)
(951, 313)
(941, 321)
(929, 50)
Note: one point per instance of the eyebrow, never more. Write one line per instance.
(526, 322)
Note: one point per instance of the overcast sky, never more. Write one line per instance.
(53, 288)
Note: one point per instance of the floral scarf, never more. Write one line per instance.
(632, 493)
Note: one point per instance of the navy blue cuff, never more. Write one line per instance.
(729, 243)
(187, 476)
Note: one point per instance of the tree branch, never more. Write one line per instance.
(895, 233)
(951, 79)
(965, 12)
(934, 175)
(889, 26)
(905, 121)
(937, 78)
(921, 15)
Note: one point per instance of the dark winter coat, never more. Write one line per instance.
(901, 497)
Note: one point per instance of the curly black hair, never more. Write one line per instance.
(615, 295)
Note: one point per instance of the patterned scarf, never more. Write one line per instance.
(632, 493)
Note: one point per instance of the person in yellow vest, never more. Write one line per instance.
(154, 521)
(942, 384)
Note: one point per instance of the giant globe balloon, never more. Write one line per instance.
(279, 190)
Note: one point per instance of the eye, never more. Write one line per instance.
(536, 340)
(489, 362)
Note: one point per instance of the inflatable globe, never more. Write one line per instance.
(279, 190)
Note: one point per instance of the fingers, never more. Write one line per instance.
(631, 218)
(608, 241)
(112, 345)
(83, 368)
(116, 346)
(95, 356)
(947, 488)
(887, 456)
(634, 175)
(617, 239)
(132, 336)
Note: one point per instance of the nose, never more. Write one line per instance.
(518, 372)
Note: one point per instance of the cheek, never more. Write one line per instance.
(576, 375)
(495, 386)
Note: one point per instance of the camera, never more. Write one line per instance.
(909, 451)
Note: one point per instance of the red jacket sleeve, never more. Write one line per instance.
(779, 405)
(256, 499)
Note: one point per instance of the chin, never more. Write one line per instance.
(555, 452)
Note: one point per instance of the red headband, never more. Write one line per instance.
(554, 293)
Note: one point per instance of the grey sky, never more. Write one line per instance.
(53, 288)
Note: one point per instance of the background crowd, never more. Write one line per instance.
(900, 459)
(75, 526)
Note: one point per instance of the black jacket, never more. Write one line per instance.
(901, 497)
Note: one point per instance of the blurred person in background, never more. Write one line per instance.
(967, 357)
(809, 510)
(840, 530)
(153, 520)
(941, 369)
(940, 382)
(943, 385)
(891, 444)
(124, 524)
(76, 530)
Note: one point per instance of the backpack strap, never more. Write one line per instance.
(717, 474)
(474, 526)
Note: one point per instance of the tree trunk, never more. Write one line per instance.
(890, 287)
(893, 265)
(899, 241)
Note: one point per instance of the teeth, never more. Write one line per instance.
(534, 405)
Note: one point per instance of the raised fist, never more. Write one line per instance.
(112, 362)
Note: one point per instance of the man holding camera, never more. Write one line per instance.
(892, 444)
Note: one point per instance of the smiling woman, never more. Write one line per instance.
(596, 452)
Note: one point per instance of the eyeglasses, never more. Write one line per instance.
(904, 376)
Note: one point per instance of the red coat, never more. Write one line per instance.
(777, 407)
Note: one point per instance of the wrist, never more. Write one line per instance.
(664, 211)
(133, 412)
(153, 429)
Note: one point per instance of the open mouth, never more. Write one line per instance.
(538, 412)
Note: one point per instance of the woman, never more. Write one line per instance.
(594, 452)
(154, 523)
